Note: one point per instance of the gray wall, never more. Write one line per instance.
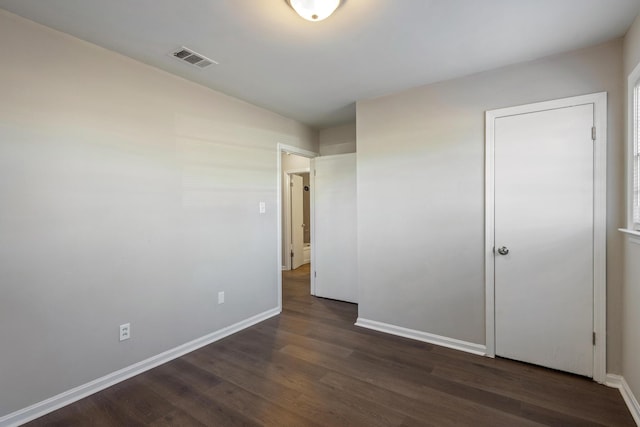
(338, 140)
(632, 48)
(127, 195)
(631, 316)
(421, 191)
(631, 288)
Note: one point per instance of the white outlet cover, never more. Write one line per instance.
(125, 331)
(263, 207)
(221, 297)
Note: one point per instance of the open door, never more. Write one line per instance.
(335, 227)
(297, 222)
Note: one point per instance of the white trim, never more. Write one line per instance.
(632, 235)
(599, 100)
(306, 257)
(634, 77)
(312, 212)
(65, 398)
(617, 381)
(453, 343)
(489, 236)
(600, 237)
(298, 170)
(613, 381)
(283, 148)
(291, 149)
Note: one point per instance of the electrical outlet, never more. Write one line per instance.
(262, 207)
(125, 331)
(221, 297)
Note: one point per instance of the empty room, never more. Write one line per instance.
(319, 213)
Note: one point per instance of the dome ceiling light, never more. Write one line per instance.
(314, 10)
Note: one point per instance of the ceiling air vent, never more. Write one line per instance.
(193, 58)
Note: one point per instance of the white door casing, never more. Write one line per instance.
(546, 204)
(297, 221)
(335, 245)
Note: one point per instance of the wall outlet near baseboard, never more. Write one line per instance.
(125, 331)
(221, 297)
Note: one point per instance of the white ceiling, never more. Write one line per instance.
(315, 71)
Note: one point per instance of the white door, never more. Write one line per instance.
(297, 222)
(334, 259)
(544, 228)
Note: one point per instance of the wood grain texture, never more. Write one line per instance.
(311, 366)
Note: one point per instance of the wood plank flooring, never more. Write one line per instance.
(311, 366)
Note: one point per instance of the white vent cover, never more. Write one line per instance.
(187, 55)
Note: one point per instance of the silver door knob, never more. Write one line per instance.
(503, 250)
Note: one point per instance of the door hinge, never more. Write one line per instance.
(594, 338)
(315, 274)
(593, 133)
(291, 184)
(291, 253)
(314, 172)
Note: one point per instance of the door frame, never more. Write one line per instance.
(599, 100)
(286, 214)
(284, 148)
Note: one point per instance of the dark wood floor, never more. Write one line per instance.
(311, 366)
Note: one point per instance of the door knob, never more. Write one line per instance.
(503, 250)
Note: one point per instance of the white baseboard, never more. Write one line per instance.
(423, 336)
(49, 405)
(617, 381)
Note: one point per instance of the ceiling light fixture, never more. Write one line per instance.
(314, 10)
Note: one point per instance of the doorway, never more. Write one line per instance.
(545, 234)
(332, 269)
(298, 220)
(294, 180)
